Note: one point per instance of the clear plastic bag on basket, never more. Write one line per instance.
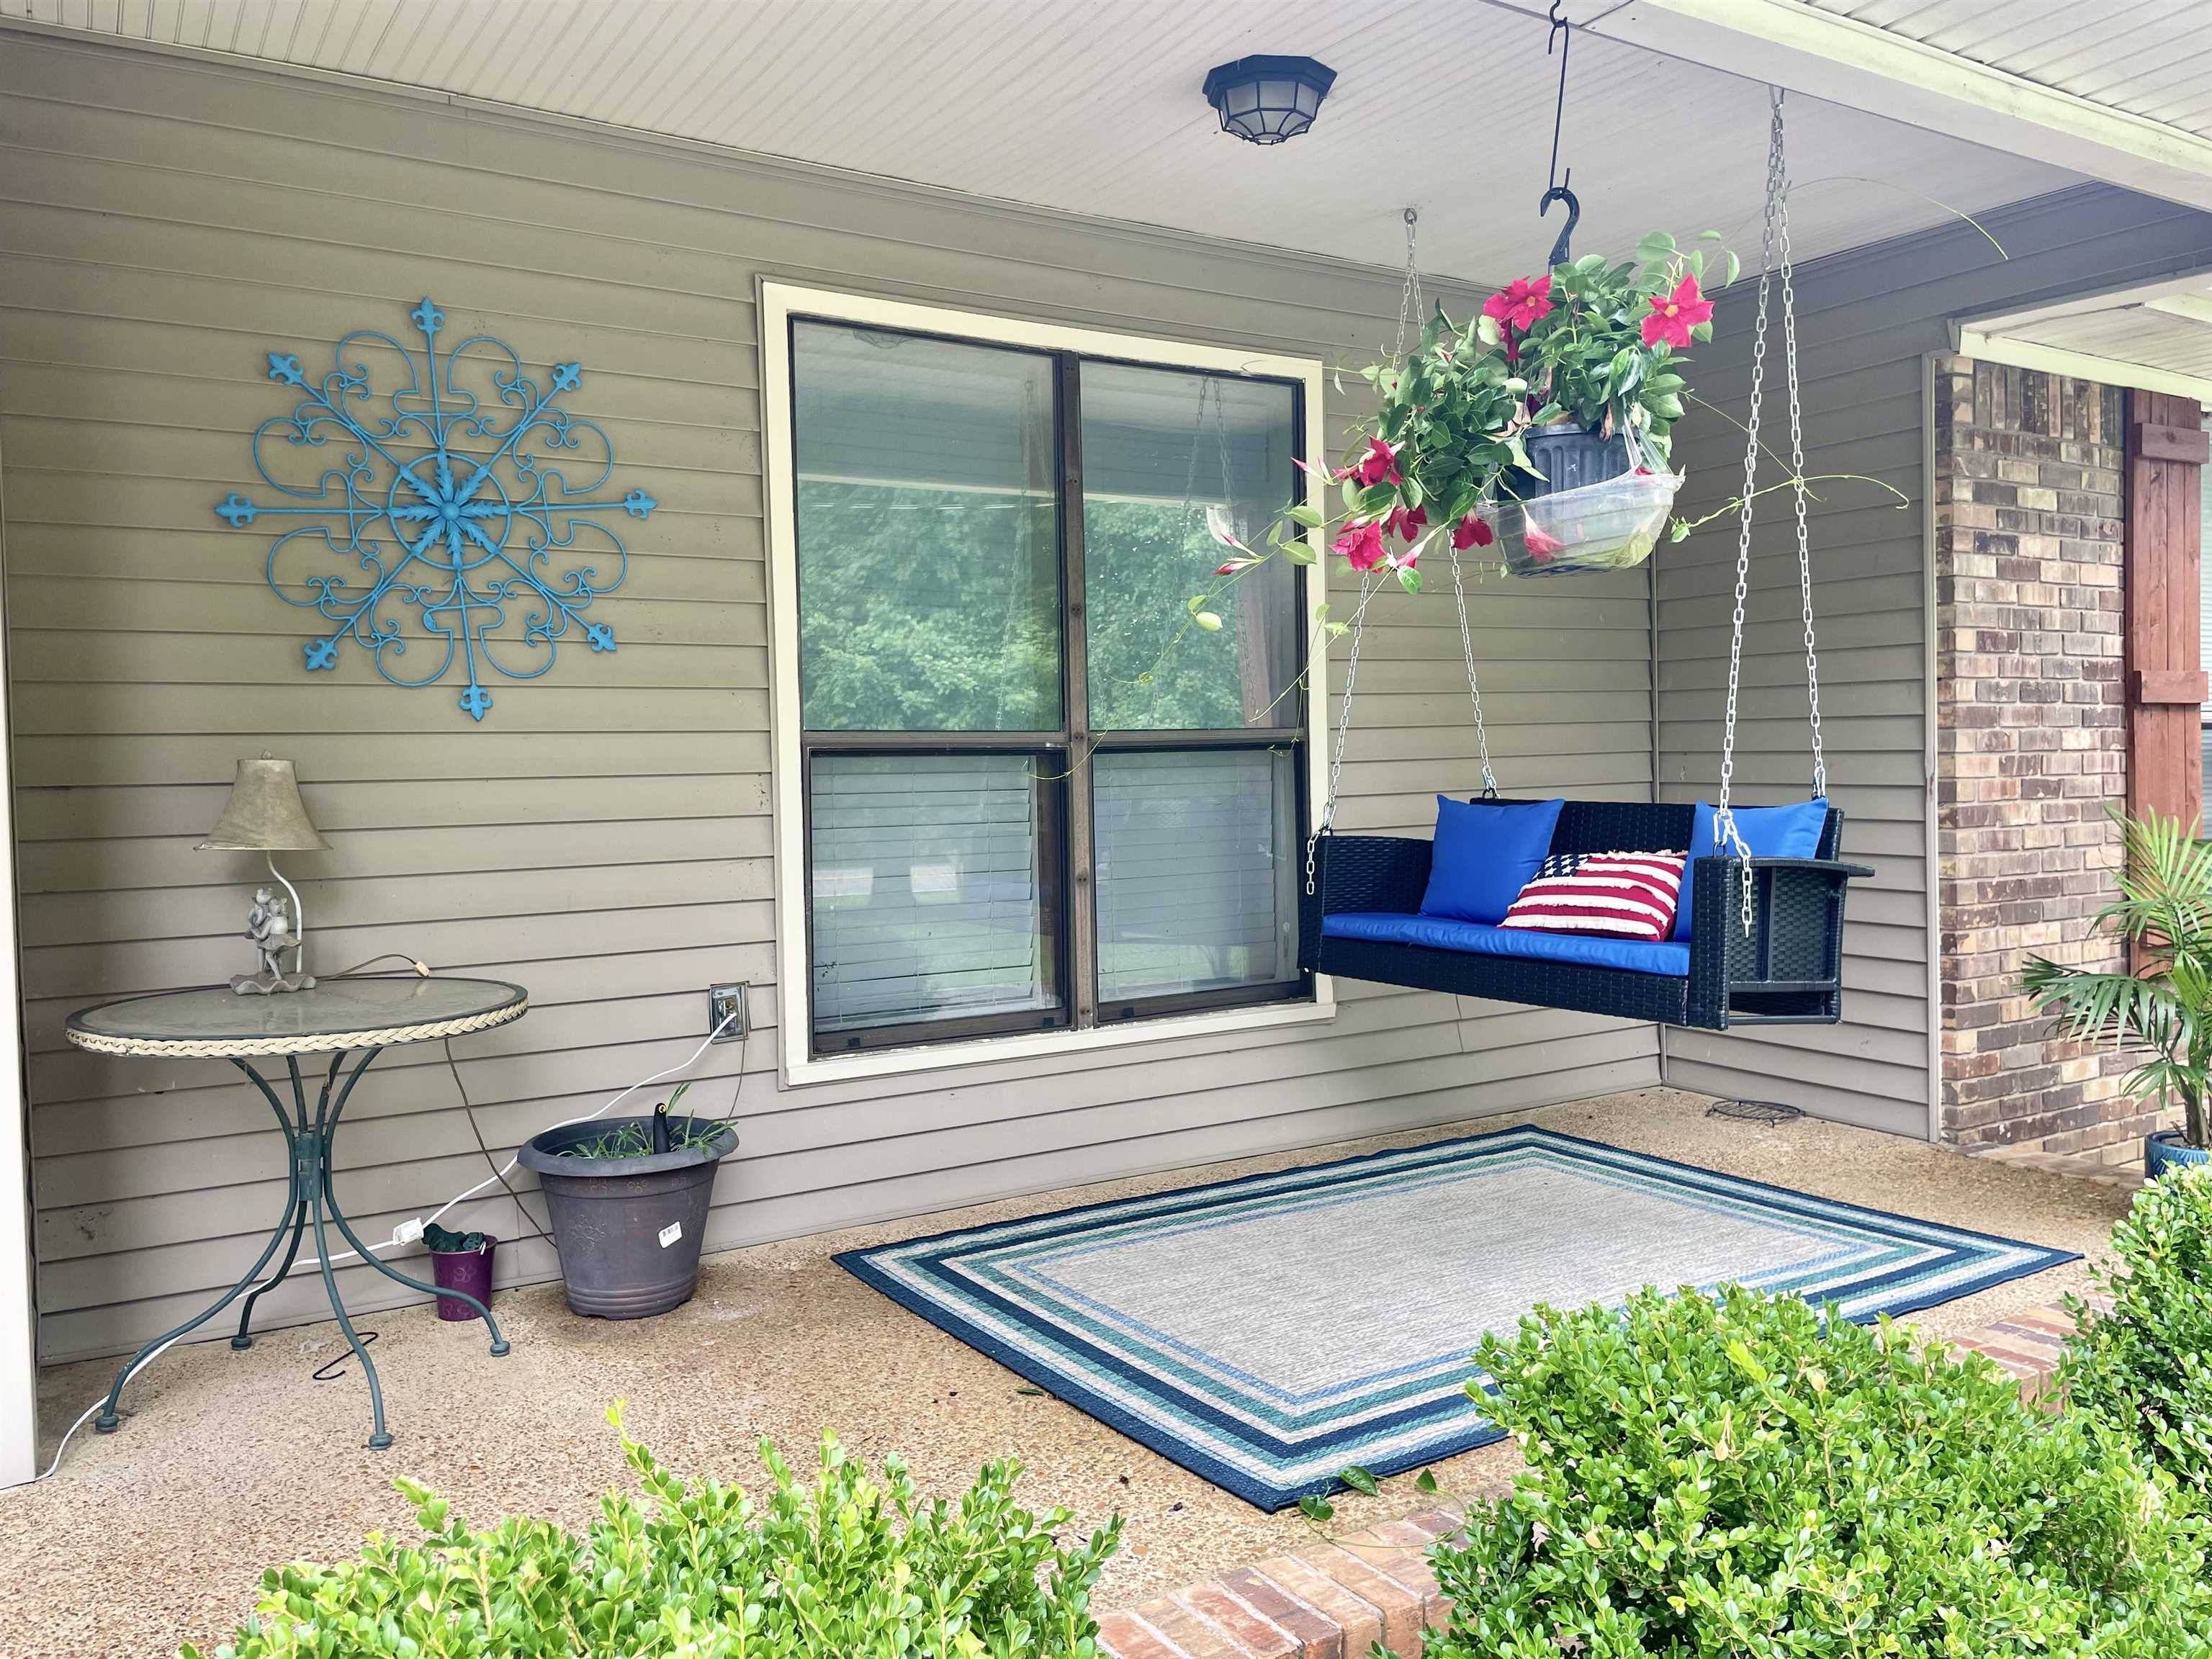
(1610, 525)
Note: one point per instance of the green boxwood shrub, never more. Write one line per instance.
(842, 1565)
(1730, 1477)
(2146, 1366)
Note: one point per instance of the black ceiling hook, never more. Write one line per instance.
(1561, 193)
(1562, 34)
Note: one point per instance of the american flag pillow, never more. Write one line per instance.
(1612, 895)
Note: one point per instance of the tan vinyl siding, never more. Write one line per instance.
(1867, 320)
(603, 837)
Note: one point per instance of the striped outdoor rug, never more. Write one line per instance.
(1264, 1333)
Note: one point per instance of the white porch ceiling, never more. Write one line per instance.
(2147, 57)
(1093, 107)
(2158, 336)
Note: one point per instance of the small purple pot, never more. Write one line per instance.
(466, 1270)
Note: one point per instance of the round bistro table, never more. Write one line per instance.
(354, 1019)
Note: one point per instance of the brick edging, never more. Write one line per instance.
(1335, 1601)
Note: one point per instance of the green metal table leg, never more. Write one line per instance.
(379, 1437)
(298, 1185)
(327, 1123)
(245, 1337)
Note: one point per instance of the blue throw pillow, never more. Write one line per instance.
(1485, 852)
(1771, 832)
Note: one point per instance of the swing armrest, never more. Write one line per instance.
(1828, 869)
(1370, 873)
(1388, 873)
(1796, 933)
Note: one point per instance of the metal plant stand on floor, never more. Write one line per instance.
(347, 1019)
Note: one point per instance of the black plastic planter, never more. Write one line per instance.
(1570, 458)
(628, 1229)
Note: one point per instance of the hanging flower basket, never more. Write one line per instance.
(1599, 504)
(1542, 426)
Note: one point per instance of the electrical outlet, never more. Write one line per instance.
(722, 1001)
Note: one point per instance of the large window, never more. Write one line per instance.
(1027, 803)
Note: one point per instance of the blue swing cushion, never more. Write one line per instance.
(1485, 852)
(1771, 832)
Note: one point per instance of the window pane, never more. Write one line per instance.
(1197, 854)
(928, 536)
(930, 892)
(1159, 449)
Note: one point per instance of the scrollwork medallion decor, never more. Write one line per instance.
(449, 531)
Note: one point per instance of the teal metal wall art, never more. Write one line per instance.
(433, 534)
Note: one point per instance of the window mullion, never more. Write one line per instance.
(1082, 890)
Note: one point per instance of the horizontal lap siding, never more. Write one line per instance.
(604, 838)
(1865, 322)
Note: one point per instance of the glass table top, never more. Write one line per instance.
(335, 1014)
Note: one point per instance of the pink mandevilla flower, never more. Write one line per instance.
(1473, 531)
(1379, 464)
(1541, 544)
(1362, 545)
(1406, 523)
(1674, 315)
(1521, 302)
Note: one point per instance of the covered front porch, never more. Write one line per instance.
(831, 281)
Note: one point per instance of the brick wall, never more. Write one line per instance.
(2030, 743)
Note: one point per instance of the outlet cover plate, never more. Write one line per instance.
(723, 1001)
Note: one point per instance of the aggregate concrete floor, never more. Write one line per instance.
(232, 1461)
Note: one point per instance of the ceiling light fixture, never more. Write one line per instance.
(1266, 101)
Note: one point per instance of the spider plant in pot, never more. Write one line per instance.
(2163, 916)
(628, 1198)
(461, 1263)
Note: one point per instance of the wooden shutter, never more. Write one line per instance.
(2166, 680)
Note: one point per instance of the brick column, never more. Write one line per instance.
(2031, 741)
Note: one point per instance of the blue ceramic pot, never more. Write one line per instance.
(2167, 1150)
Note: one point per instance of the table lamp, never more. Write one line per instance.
(266, 815)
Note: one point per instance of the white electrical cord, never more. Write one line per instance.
(136, 1366)
(402, 1234)
(419, 1227)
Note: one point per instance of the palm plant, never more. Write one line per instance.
(2164, 911)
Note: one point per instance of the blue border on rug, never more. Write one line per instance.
(1070, 1388)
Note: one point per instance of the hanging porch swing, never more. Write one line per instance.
(1759, 940)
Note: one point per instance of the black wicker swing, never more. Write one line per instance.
(1766, 944)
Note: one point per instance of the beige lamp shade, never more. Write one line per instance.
(265, 813)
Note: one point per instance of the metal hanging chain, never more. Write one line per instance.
(1473, 687)
(1409, 296)
(1775, 260)
(1327, 819)
(1409, 307)
(1725, 832)
(1797, 457)
(1209, 389)
(1409, 300)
